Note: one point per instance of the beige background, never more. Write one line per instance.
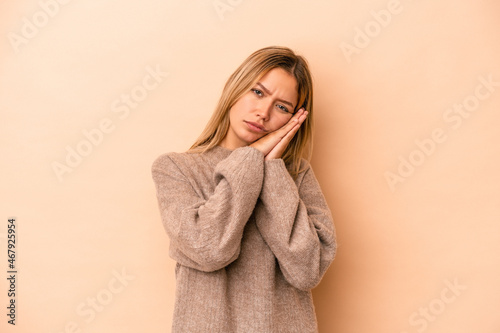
(420, 255)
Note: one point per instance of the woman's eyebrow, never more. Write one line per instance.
(268, 92)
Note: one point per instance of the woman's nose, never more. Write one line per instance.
(265, 109)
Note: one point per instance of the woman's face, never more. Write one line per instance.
(269, 104)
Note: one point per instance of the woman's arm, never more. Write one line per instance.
(206, 234)
(297, 224)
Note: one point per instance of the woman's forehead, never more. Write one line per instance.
(277, 79)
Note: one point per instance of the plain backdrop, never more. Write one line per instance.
(406, 150)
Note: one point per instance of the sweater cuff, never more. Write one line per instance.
(278, 183)
(248, 150)
(242, 160)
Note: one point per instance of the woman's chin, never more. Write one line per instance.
(250, 138)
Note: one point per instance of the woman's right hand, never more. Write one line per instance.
(282, 135)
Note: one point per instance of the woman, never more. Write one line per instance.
(249, 227)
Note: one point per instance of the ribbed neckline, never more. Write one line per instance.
(218, 153)
(223, 148)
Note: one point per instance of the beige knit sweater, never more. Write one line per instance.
(249, 241)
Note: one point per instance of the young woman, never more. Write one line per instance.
(249, 227)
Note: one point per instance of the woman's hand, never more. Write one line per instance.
(273, 145)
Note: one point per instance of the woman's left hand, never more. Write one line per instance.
(280, 147)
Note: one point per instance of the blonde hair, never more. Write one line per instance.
(246, 75)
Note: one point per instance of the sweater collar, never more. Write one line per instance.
(218, 153)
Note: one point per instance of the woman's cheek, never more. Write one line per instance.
(282, 123)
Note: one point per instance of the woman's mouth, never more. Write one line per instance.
(255, 127)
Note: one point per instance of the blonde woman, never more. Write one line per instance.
(249, 227)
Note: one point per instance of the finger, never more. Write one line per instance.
(284, 139)
(297, 114)
(280, 147)
(288, 136)
(298, 120)
(302, 117)
(293, 121)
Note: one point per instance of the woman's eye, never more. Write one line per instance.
(281, 107)
(257, 91)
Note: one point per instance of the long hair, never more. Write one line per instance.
(246, 75)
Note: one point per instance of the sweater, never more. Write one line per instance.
(249, 241)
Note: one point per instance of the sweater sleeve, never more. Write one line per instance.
(205, 234)
(297, 224)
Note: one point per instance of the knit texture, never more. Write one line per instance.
(250, 242)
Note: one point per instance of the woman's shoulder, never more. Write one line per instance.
(171, 159)
(304, 165)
